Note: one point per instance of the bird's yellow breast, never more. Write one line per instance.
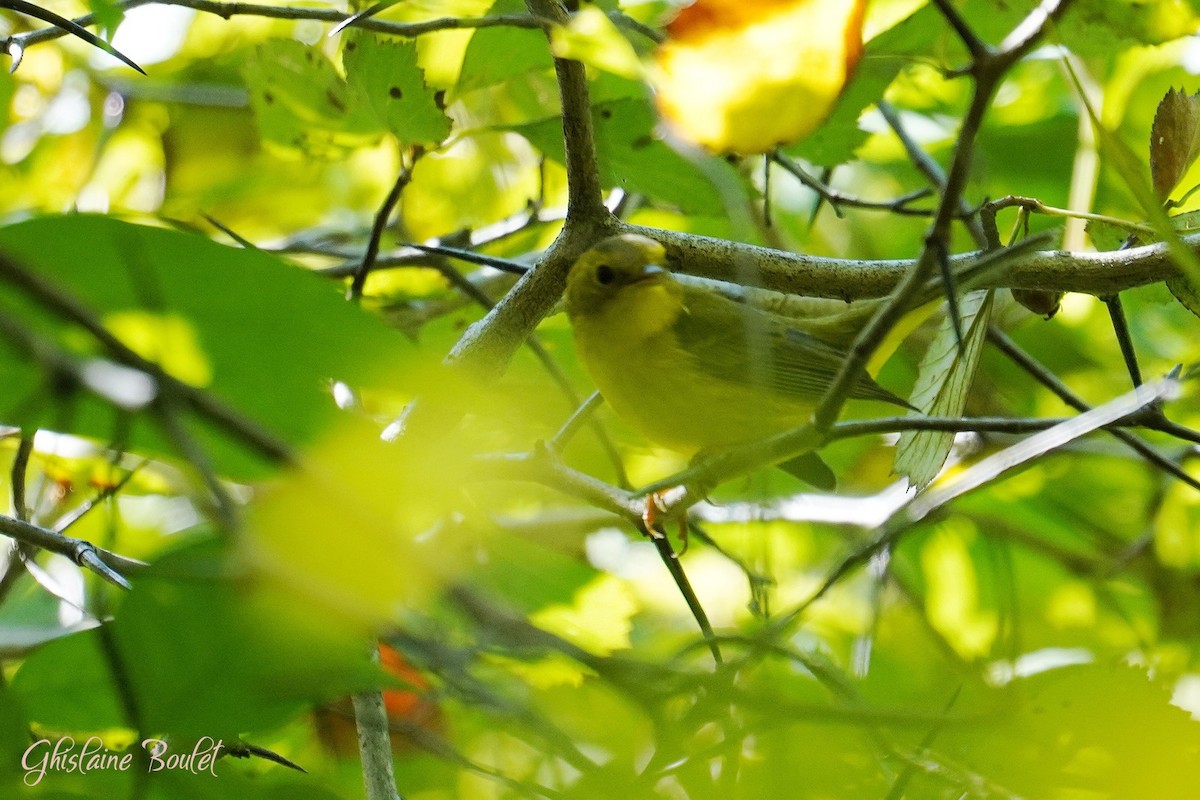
(631, 353)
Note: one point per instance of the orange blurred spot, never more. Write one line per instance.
(409, 709)
(700, 19)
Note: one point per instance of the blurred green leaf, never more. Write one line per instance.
(14, 735)
(501, 53)
(271, 336)
(1099, 27)
(632, 158)
(196, 655)
(67, 685)
(1105, 730)
(302, 104)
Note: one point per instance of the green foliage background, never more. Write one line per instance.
(1037, 639)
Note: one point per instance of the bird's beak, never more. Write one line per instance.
(650, 272)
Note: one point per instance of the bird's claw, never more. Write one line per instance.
(652, 522)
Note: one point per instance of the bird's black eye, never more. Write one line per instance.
(605, 275)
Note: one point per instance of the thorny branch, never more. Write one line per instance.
(988, 68)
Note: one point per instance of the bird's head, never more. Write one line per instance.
(622, 275)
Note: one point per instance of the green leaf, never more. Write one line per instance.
(198, 653)
(108, 14)
(263, 337)
(943, 384)
(1102, 27)
(14, 734)
(1184, 288)
(67, 685)
(1096, 729)
(633, 159)
(1133, 173)
(591, 38)
(386, 77)
(302, 104)
(208, 655)
(498, 54)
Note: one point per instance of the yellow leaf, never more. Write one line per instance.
(353, 531)
(591, 37)
(746, 77)
(598, 619)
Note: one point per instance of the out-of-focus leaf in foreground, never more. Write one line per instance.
(261, 336)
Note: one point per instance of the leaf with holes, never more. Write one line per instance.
(386, 79)
(302, 104)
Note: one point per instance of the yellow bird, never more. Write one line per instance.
(692, 370)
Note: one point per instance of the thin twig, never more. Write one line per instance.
(975, 46)
(20, 473)
(576, 421)
(108, 565)
(69, 519)
(981, 474)
(932, 171)
(229, 10)
(662, 544)
(166, 413)
(381, 220)
(900, 205)
(1116, 314)
(374, 743)
(1029, 364)
(488, 346)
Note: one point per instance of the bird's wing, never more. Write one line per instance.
(743, 345)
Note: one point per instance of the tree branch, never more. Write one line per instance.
(857, 279)
(228, 10)
(107, 565)
(988, 70)
(488, 345)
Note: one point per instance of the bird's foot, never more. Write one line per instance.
(652, 522)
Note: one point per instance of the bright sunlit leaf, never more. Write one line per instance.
(952, 599)
(591, 37)
(167, 339)
(354, 530)
(748, 77)
(598, 620)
